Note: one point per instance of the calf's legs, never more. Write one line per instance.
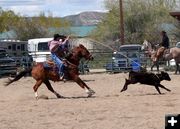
(164, 87)
(157, 88)
(126, 84)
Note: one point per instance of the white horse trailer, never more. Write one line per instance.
(15, 48)
(38, 49)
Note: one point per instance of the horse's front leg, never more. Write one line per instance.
(152, 67)
(155, 64)
(83, 85)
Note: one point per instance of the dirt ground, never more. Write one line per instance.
(140, 107)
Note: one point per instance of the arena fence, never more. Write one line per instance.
(104, 60)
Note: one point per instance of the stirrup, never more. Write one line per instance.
(65, 62)
(64, 80)
(61, 77)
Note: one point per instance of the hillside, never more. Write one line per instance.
(85, 18)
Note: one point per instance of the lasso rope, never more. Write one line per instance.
(116, 51)
(111, 49)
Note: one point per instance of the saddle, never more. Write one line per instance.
(160, 53)
(50, 65)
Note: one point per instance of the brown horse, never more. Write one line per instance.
(156, 55)
(166, 54)
(152, 52)
(42, 75)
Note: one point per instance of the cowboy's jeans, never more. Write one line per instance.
(59, 63)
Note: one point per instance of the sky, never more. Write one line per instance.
(57, 8)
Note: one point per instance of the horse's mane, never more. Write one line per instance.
(70, 54)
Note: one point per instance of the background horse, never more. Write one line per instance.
(167, 55)
(156, 55)
(43, 74)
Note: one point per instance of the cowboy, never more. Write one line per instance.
(58, 44)
(164, 45)
(165, 40)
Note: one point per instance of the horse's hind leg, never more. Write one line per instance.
(36, 86)
(83, 85)
(177, 68)
(48, 84)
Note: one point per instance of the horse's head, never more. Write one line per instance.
(83, 52)
(147, 46)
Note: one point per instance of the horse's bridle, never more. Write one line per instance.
(89, 57)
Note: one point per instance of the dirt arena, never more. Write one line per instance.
(140, 107)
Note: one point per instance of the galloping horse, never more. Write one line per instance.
(43, 74)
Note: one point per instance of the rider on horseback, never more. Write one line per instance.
(164, 45)
(59, 43)
(165, 40)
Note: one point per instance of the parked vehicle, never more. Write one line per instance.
(7, 64)
(84, 68)
(128, 57)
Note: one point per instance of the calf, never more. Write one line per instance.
(148, 79)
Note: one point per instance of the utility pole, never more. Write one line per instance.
(121, 22)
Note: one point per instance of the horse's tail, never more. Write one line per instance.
(18, 76)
